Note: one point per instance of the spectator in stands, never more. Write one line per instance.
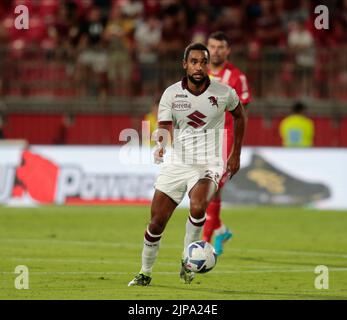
(293, 10)
(118, 34)
(132, 8)
(201, 29)
(339, 33)
(92, 63)
(301, 44)
(148, 37)
(231, 21)
(66, 30)
(172, 39)
(269, 36)
(297, 130)
(101, 46)
(104, 5)
(269, 30)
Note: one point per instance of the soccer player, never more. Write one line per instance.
(195, 107)
(220, 69)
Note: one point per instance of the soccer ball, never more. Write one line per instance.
(200, 257)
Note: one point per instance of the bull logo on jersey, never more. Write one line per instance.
(214, 101)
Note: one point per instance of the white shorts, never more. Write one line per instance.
(176, 179)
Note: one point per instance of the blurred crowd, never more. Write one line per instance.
(125, 40)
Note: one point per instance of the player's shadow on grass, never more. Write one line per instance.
(232, 293)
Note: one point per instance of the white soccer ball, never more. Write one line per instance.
(200, 257)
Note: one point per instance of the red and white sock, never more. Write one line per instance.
(151, 243)
(193, 229)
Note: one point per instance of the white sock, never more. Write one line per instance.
(193, 230)
(150, 251)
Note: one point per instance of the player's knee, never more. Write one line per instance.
(198, 209)
(156, 226)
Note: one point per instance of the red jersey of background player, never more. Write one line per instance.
(233, 77)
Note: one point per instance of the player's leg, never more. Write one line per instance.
(199, 195)
(214, 224)
(161, 211)
(212, 217)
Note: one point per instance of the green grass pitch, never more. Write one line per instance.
(93, 252)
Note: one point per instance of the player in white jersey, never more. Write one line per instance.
(195, 108)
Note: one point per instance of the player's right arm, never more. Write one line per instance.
(239, 116)
(162, 136)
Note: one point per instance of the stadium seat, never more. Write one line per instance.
(35, 128)
(97, 129)
(342, 133)
(326, 132)
(262, 132)
(252, 137)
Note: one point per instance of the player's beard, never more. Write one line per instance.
(198, 83)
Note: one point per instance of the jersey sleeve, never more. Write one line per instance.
(164, 110)
(242, 89)
(233, 99)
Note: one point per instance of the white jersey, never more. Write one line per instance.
(198, 120)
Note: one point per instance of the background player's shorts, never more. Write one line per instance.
(176, 179)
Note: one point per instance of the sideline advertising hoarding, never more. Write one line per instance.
(63, 175)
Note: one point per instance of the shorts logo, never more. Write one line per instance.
(181, 105)
(214, 176)
(196, 119)
(213, 101)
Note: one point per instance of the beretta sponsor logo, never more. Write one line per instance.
(181, 105)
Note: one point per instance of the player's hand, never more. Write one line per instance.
(159, 155)
(233, 164)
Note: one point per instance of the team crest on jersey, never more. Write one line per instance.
(214, 101)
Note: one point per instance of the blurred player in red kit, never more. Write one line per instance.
(220, 69)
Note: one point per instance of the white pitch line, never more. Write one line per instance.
(139, 245)
(289, 252)
(116, 262)
(175, 273)
(85, 261)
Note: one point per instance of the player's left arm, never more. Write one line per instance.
(240, 118)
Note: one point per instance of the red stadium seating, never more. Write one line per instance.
(262, 132)
(326, 132)
(105, 129)
(343, 133)
(36, 129)
(97, 129)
